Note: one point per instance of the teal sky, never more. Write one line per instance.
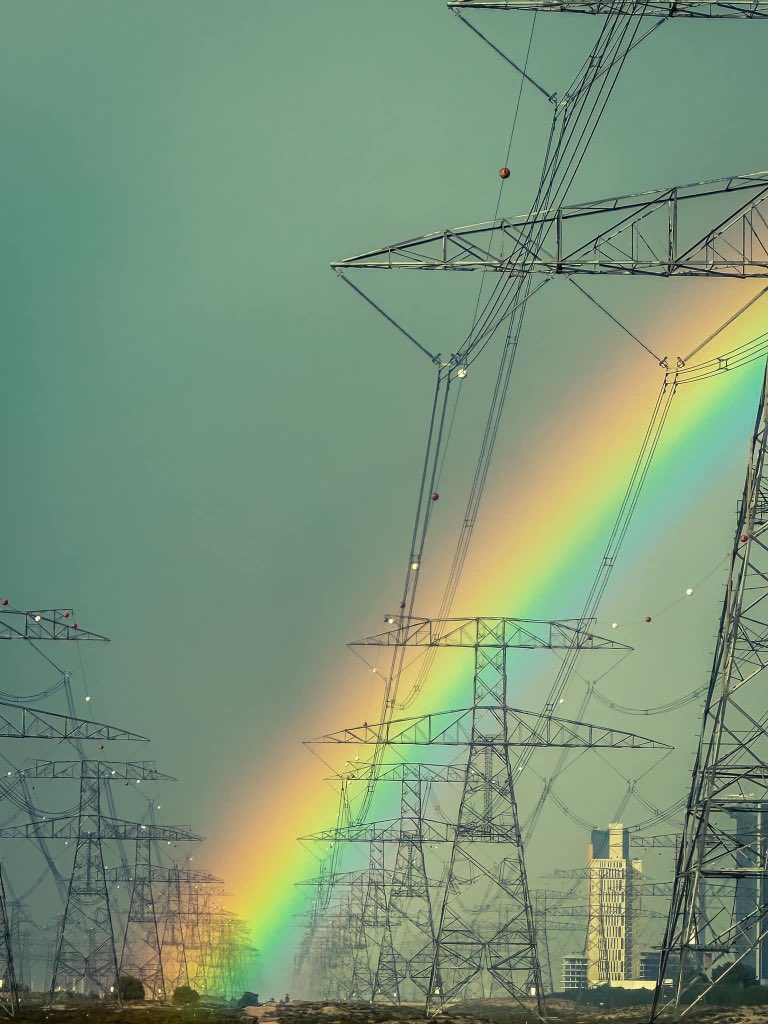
(210, 445)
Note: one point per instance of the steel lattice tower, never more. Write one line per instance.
(86, 951)
(21, 722)
(487, 827)
(724, 843)
(408, 956)
(7, 966)
(150, 950)
(174, 937)
(141, 954)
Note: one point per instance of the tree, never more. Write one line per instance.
(741, 974)
(185, 996)
(129, 988)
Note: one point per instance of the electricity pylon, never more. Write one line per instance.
(7, 967)
(374, 923)
(21, 722)
(724, 837)
(86, 952)
(185, 915)
(487, 824)
(141, 954)
(404, 949)
(332, 934)
(145, 954)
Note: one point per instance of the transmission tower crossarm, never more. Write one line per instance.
(491, 633)
(728, 9)
(642, 234)
(163, 875)
(403, 772)
(68, 827)
(43, 624)
(339, 878)
(523, 729)
(390, 830)
(143, 771)
(21, 722)
(657, 842)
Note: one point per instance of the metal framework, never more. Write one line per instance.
(42, 624)
(708, 229)
(655, 9)
(141, 954)
(464, 949)
(86, 954)
(724, 840)
(23, 723)
(657, 234)
(7, 966)
(144, 954)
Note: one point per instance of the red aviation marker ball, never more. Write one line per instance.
(743, 538)
(5, 601)
(504, 172)
(434, 496)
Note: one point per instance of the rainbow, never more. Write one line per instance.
(536, 570)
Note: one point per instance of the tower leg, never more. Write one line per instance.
(7, 967)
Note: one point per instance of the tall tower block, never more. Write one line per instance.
(612, 953)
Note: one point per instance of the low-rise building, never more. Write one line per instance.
(574, 972)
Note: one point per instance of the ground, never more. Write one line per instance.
(480, 1012)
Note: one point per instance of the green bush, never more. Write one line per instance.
(129, 989)
(185, 996)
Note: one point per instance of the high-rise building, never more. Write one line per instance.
(574, 972)
(613, 901)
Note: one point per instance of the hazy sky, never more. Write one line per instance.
(211, 446)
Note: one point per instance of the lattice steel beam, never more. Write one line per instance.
(67, 827)
(43, 624)
(522, 729)
(143, 771)
(19, 722)
(664, 842)
(163, 875)
(390, 830)
(490, 633)
(739, 9)
(657, 233)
